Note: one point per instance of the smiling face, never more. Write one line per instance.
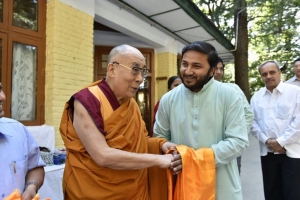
(2, 99)
(218, 75)
(195, 70)
(270, 75)
(123, 83)
(297, 69)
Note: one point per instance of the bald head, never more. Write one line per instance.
(124, 74)
(122, 50)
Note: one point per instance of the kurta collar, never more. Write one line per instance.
(209, 83)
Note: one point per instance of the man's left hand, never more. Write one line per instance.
(176, 164)
(273, 145)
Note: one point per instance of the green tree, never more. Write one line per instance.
(25, 14)
(273, 36)
(231, 18)
(272, 32)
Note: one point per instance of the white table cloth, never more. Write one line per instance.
(44, 135)
(52, 187)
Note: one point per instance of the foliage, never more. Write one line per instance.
(273, 34)
(213, 9)
(25, 14)
(273, 28)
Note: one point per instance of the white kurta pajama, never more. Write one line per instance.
(213, 117)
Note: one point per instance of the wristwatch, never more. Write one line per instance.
(32, 183)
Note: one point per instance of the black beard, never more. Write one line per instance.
(199, 85)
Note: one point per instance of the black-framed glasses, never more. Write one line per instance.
(136, 70)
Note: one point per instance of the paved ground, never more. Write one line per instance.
(251, 176)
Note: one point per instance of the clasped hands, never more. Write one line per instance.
(274, 146)
(176, 161)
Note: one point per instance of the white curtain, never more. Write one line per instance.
(23, 82)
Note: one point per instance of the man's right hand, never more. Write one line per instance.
(274, 146)
(171, 161)
(176, 165)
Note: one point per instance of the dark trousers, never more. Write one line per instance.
(281, 177)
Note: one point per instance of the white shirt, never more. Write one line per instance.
(294, 81)
(277, 115)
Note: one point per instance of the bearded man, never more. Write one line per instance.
(204, 113)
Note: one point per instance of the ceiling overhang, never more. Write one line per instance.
(182, 20)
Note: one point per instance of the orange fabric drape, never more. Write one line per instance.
(16, 195)
(157, 177)
(198, 178)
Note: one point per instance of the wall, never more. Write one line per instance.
(165, 66)
(69, 58)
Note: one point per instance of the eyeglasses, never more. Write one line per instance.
(136, 70)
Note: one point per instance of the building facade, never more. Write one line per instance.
(51, 49)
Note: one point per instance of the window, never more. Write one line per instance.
(22, 59)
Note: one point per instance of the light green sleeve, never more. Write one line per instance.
(161, 128)
(247, 108)
(236, 136)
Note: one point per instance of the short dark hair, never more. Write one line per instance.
(298, 59)
(205, 48)
(171, 80)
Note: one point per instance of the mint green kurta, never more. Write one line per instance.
(213, 117)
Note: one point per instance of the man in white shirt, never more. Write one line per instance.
(276, 125)
(295, 80)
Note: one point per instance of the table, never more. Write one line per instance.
(52, 187)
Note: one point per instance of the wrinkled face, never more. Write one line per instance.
(219, 71)
(195, 71)
(175, 83)
(270, 75)
(125, 83)
(297, 69)
(2, 99)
